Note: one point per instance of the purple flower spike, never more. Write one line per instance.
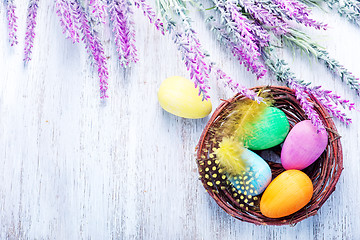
(337, 113)
(190, 49)
(98, 9)
(11, 17)
(262, 37)
(266, 17)
(150, 14)
(287, 6)
(242, 36)
(30, 29)
(308, 107)
(123, 29)
(94, 46)
(189, 46)
(326, 97)
(299, 12)
(249, 51)
(67, 20)
(329, 96)
(220, 75)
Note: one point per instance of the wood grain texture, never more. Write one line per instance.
(76, 167)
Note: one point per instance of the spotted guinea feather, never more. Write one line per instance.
(215, 179)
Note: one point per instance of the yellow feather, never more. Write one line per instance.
(229, 156)
(244, 114)
(234, 130)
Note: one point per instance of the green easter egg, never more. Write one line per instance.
(270, 130)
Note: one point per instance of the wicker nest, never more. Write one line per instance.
(324, 173)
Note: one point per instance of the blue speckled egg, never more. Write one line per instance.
(256, 178)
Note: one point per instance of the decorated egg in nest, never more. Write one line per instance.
(269, 130)
(286, 194)
(303, 146)
(255, 176)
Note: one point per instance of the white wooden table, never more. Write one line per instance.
(75, 167)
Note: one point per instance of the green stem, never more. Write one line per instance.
(303, 42)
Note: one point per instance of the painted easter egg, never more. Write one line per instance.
(177, 95)
(303, 146)
(256, 177)
(286, 194)
(268, 131)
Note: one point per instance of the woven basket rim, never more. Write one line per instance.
(324, 179)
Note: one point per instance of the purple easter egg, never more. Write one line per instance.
(303, 146)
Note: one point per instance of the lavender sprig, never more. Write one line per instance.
(313, 3)
(308, 107)
(338, 69)
(98, 10)
(67, 20)
(265, 16)
(332, 97)
(334, 111)
(226, 37)
(274, 9)
(262, 37)
(220, 75)
(11, 18)
(299, 12)
(150, 14)
(193, 57)
(302, 41)
(123, 29)
(282, 72)
(260, 34)
(190, 48)
(287, 6)
(93, 45)
(235, 87)
(30, 29)
(250, 50)
(328, 100)
(302, 90)
(346, 8)
(239, 33)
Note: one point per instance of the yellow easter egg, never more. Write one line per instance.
(177, 95)
(286, 194)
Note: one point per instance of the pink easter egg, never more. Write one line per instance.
(303, 146)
